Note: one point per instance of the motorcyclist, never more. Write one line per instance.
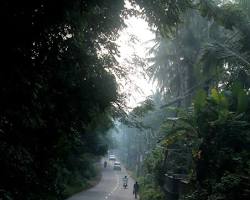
(125, 182)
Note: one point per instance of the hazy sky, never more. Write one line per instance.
(137, 87)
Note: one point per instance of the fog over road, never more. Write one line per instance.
(109, 188)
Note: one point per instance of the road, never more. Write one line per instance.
(109, 188)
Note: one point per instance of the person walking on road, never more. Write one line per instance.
(136, 189)
(105, 164)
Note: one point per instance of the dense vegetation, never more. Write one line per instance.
(198, 130)
(59, 91)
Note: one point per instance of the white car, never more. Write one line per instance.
(117, 166)
(112, 157)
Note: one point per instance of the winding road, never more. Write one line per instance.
(109, 188)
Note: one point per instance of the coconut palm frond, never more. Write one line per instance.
(230, 52)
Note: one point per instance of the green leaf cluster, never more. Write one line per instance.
(57, 92)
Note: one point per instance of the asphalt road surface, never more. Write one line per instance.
(109, 188)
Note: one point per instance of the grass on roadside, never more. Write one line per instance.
(79, 183)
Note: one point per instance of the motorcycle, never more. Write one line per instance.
(125, 185)
(125, 182)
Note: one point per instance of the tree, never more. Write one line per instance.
(55, 85)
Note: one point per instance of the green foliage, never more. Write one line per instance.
(56, 92)
(84, 178)
(200, 100)
(211, 40)
(150, 192)
(216, 132)
(145, 107)
(222, 168)
(242, 98)
(152, 178)
(163, 14)
(153, 165)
